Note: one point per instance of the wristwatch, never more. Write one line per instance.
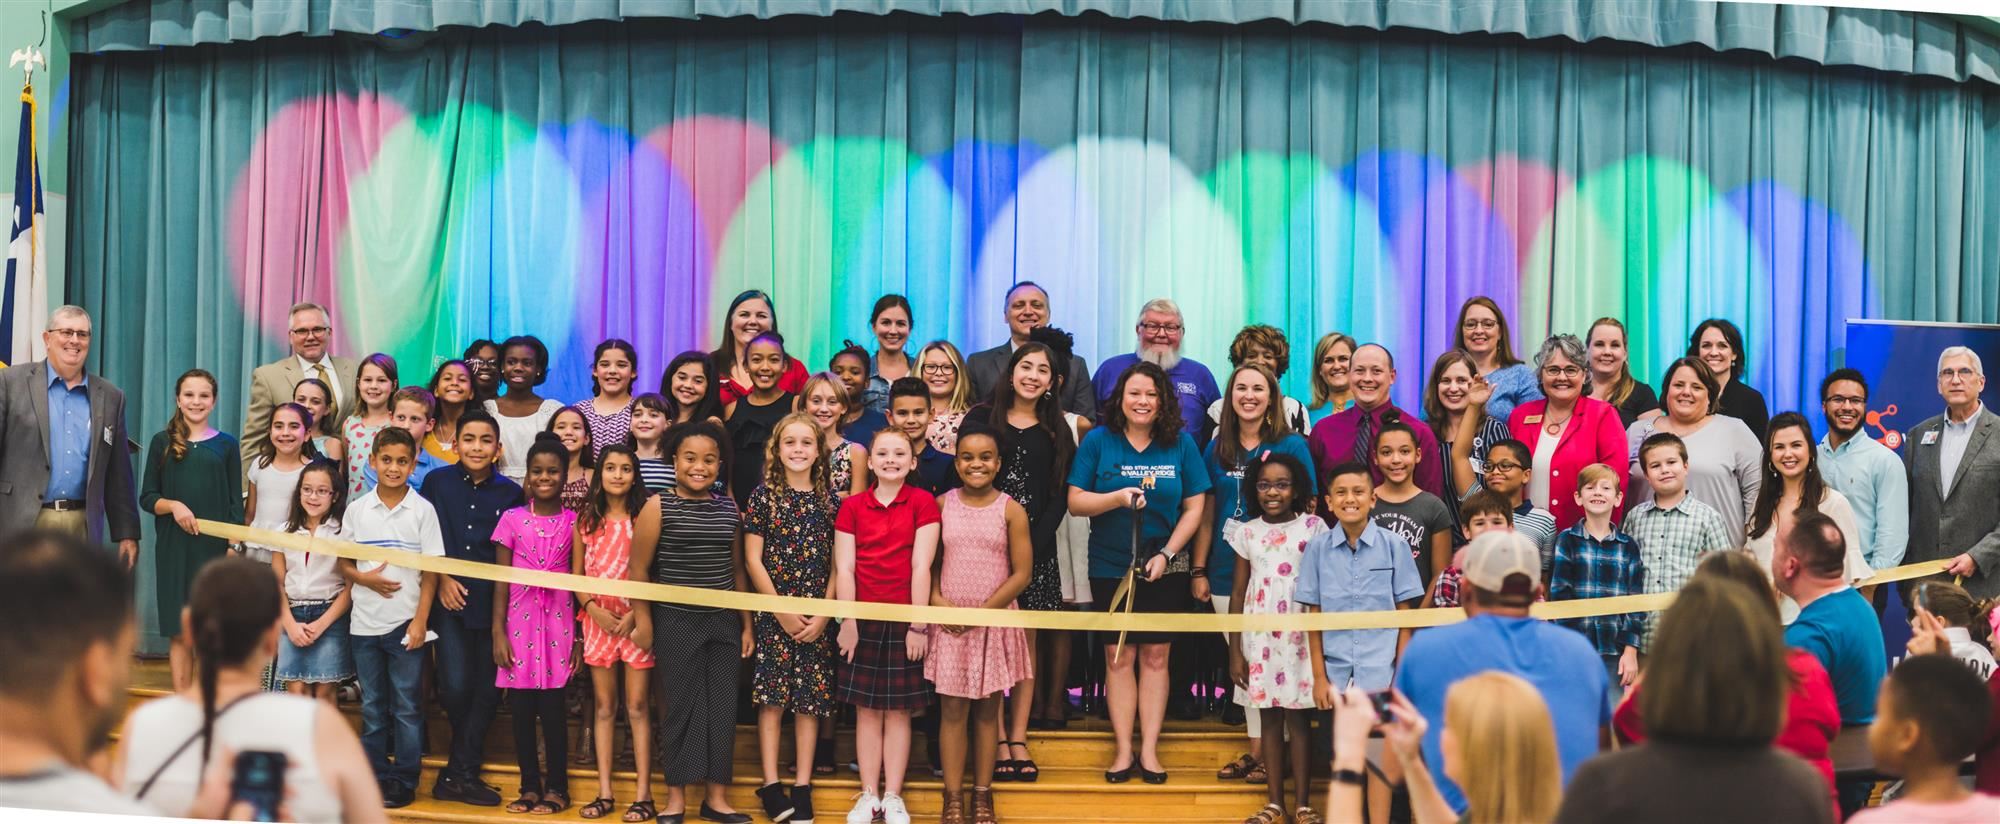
(1354, 777)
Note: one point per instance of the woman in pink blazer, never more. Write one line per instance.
(1566, 430)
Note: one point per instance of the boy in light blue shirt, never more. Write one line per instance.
(1356, 567)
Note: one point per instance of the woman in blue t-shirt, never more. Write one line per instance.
(1139, 465)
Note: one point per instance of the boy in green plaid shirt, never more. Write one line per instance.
(1595, 560)
(1673, 529)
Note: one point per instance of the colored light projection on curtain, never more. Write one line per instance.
(577, 232)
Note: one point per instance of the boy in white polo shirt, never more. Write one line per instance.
(391, 613)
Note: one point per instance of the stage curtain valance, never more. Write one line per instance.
(1897, 41)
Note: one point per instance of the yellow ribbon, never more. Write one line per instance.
(1120, 622)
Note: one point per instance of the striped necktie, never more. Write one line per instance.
(1364, 439)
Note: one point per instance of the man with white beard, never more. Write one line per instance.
(1160, 333)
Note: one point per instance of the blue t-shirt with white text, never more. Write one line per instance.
(1106, 462)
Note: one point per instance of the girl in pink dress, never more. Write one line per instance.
(988, 558)
(604, 532)
(535, 646)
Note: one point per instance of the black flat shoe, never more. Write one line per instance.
(710, 814)
(1118, 776)
(1151, 777)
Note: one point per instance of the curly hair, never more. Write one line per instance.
(1166, 421)
(1261, 336)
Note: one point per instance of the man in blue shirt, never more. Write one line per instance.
(1868, 473)
(65, 463)
(469, 497)
(1502, 576)
(1160, 333)
(1835, 624)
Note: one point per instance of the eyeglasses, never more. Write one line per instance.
(1274, 486)
(1845, 400)
(1504, 466)
(71, 334)
(1482, 323)
(1963, 373)
(1562, 371)
(939, 369)
(480, 362)
(1159, 328)
(315, 492)
(312, 331)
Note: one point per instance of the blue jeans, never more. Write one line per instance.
(390, 678)
(465, 687)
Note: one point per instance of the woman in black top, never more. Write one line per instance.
(1719, 345)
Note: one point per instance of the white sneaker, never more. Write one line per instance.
(893, 811)
(865, 807)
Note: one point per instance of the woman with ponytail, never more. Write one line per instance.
(192, 471)
(169, 744)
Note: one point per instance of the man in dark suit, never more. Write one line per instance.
(65, 463)
(311, 333)
(1954, 466)
(1027, 308)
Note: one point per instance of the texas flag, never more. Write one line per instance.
(26, 298)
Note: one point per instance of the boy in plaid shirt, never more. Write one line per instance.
(1595, 560)
(1673, 529)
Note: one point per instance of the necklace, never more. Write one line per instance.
(1555, 427)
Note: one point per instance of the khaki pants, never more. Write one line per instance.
(72, 522)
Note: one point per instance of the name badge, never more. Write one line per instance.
(1930, 437)
(107, 436)
(1531, 419)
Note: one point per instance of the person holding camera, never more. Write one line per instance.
(287, 750)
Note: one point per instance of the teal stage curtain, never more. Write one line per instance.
(599, 179)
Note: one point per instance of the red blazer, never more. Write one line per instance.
(1594, 435)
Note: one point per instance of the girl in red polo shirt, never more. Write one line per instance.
(883, 544)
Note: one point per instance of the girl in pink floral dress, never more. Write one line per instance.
(535, 648)
(1275, 668)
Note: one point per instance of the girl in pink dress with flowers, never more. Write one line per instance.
(1275, 669)
(535, 649)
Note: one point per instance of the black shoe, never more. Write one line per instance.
(1232, 714)
(802, 804)
(397, 796)
(709, 814)
(777, 803)
(1186, 708)
(1118, 776)
(465, 791)
(1151, 777)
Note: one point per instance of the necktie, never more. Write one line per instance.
(1364, 439)
(319, 371)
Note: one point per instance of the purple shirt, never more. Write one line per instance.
(1332, 444)
(1193, 384)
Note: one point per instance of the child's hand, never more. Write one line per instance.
(503, 652)
(298, 634)
(184, 517)
(576, 655)
(1927, 634)
(641, 634)
(915, 641)
(1239, 669)
(451, 593)
(1628, 667)
(791, 624)
(1323, 695)
(749, 642)
(622, 627)
(604, 619)
(1200, 588)
(848, 637)
(378, 583)
(1480, 392)
(413, 639)
(814, 629)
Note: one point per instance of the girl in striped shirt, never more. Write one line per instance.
(651, 416)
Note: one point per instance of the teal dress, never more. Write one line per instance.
(209, 480)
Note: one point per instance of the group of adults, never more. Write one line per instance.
(65, 462)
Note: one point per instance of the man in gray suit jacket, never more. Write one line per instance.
(311, 332)
(1027, 308)
(65, 460)
(1954, 466)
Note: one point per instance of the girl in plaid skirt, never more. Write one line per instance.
(883, 543)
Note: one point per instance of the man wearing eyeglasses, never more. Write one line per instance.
(64, 460)
(311, 333)
(1160, 333)
(1954, 469)
(1869, 474)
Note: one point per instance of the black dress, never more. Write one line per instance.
(1641, 401)
(1029, 477)
(750, 428)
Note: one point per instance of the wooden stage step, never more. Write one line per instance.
(1071, 787)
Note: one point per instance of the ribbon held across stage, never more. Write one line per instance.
(959, 616)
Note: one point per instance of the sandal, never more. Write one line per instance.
(1235, 770)
(1305, 815)
(1005, 769)
(551, 803)
(1257, 775)
(1025, 770)
(598, 808)
(1271, 814)
(641, 811)
(823, 759)
(524, 803)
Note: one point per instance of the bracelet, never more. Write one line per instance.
(920, 628)
(1199, 572)
(1354, 777)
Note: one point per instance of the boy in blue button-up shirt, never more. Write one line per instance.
(1359, 567)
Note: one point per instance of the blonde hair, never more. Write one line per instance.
(961, 386)
(1593, 473)
(1321, 392)
(1507, 743)
(833, 384)
(774, 469)
(1622, 390)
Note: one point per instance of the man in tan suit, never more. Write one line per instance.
(311, 332)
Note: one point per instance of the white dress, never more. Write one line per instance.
(1073, 544)
(518, 434)
(1280, 663)
(274, 503)
(1833, 505)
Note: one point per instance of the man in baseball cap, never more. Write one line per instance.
(1503, 576)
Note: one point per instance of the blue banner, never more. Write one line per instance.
(1900, 361)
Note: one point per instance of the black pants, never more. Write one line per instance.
(465, 687)
(697, 656)
(546, 706)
